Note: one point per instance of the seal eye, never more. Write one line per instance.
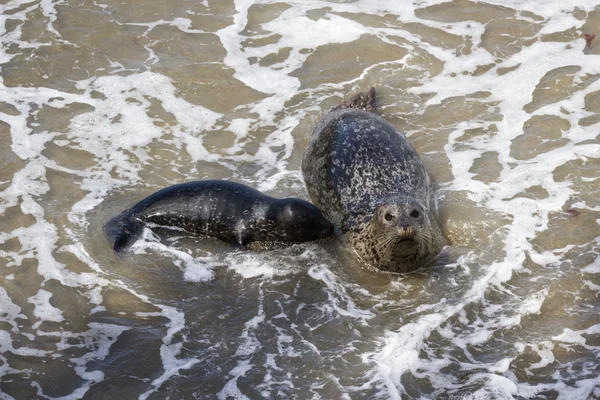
(388, 217)
(415, 214)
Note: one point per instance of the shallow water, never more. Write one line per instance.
(105, 102)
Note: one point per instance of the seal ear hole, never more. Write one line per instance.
(388, 217)
(415, 214)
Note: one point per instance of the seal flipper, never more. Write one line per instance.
(122, 230)
(361, 101)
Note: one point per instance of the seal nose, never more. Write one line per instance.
(328, 231)
(404, 223)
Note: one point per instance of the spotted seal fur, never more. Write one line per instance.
(228, 211)
(370, 182)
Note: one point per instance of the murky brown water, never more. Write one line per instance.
(102, 103)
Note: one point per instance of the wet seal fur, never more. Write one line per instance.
(228, 211)
(370, 182)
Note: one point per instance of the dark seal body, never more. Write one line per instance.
(228, 211)
(370, 182)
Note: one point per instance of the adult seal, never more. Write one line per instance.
(370, 182)
(228, 211)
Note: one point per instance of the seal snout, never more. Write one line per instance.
(406, 235)
(302, 219)
(327, 228)
(324, 227)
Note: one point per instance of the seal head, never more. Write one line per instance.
(293, 220)
(398, 238)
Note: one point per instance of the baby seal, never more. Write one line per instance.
(228, 211)
(370, 182)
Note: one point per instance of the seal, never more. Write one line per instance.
(370, 182)
(228, 211)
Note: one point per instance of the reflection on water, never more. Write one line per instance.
(102, 103)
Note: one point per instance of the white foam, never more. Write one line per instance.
(183, 24)
(264, 265)
(9, 311)
(593, 268)
(101, 337)
(297, 32)
(11, 12)
(544, 351)
(43, 310)
(338, 299)
(195, 269)
(231, 390)
(546, 9)
(6, 345)
(496, 387)
(49, 11)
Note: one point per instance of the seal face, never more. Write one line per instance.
(228, 211)
(370, 182)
